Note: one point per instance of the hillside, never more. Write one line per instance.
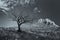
(6, 34)
(39, 31)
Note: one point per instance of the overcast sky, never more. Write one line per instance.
(50, 8)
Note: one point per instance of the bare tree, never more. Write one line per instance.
(20, 20)
(18, 13)
(21, 12)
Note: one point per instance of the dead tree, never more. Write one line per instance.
(20, 21)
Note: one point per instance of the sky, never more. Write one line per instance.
(50, 9)
(3, 5)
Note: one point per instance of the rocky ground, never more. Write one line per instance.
(45, 30)
(6, 34)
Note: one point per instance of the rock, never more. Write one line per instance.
(48, 22)
(40, 27)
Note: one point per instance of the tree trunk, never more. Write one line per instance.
(19, 29)
(20, 21)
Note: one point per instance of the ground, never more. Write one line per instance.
(31, 31)
(6, 34)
